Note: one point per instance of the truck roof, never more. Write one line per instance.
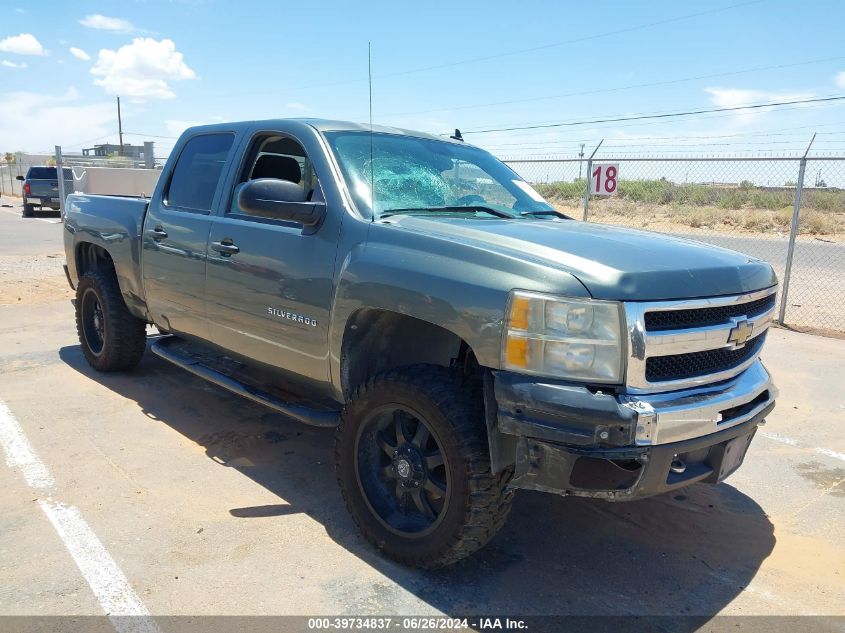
(322, 125)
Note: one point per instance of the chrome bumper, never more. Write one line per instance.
(663, 418)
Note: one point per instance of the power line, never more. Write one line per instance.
(150, 135)
(474, 60)
(577, 40)
(790, 131)
(703, 146)
(611, 117)
(617, 89)
(609, 127)
(659, 116)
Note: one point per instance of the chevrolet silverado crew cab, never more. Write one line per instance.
(41, 188)
(464, 337)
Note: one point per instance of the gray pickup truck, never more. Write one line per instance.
(41, 188)
(464, 337)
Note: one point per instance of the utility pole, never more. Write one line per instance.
(581, 156)
(120, 127)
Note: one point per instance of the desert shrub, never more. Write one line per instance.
(562, 190)
(770, 199)
(824, 200)
(755, 219)
(818, 223)
(782, 217)
(746, 185)
(697, 195)
(732, 199)
(649, 191)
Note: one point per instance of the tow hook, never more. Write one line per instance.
(677, 465)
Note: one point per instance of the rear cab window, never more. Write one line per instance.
(197, 173)
(47, 173)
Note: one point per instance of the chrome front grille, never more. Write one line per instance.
(657, 320)
(679, 344)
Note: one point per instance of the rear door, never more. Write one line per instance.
(176, 233)
(269, 282)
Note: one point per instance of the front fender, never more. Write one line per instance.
(457, 287)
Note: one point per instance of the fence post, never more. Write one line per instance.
(793, 232)
(149, 155)
(587, 184)
(60, 177)
(587, 188)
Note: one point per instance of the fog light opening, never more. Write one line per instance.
(593, 473)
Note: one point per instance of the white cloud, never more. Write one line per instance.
(297, 106)
(19, 10)
(840, 80)
(141, 69)
(35, 122)
(737, 97)
(79, 53)
(23, 44)
(6, 63)
(105, 23)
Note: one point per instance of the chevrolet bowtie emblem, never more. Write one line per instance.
(740, 333)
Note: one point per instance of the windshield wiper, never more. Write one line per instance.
(547, 212)
(475, 208)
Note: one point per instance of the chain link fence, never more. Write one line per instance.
(745, 204)
(9, 171)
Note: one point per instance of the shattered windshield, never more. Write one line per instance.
(417, 175)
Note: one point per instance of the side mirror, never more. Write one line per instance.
(280, 200)
(21, 178)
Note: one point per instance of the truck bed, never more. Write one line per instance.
(114, 223)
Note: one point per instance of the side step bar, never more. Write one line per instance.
(308, 415)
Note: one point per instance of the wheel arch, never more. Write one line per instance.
(376, 340)
(88, 257)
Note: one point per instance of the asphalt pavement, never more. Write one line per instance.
(189, 500)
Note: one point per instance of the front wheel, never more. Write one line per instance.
(112, 338)
(414, 467)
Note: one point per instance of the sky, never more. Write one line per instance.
(436, 66)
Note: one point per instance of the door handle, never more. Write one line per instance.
(225, 248)
(157, 233)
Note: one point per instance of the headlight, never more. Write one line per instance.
(579, 339)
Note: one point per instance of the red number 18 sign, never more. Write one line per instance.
(603, 179)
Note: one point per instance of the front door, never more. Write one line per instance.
(176, 235)
(269, 282)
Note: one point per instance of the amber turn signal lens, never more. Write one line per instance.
(517, 352)
(520, 306)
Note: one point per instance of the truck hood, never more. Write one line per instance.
(612, 263)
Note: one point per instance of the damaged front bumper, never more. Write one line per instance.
(572, 440)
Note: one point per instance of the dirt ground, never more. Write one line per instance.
(209, 504)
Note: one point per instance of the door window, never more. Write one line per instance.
(274, 156)
(197, 172)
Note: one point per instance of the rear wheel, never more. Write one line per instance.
(112, 339)
(414, 467)
(28, 210)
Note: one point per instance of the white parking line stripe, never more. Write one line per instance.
(105, 578)
(791, 442)
(109, 584)
(830, 453)
(779, 438)
(19, 453)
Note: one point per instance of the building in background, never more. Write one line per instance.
(110, 149)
